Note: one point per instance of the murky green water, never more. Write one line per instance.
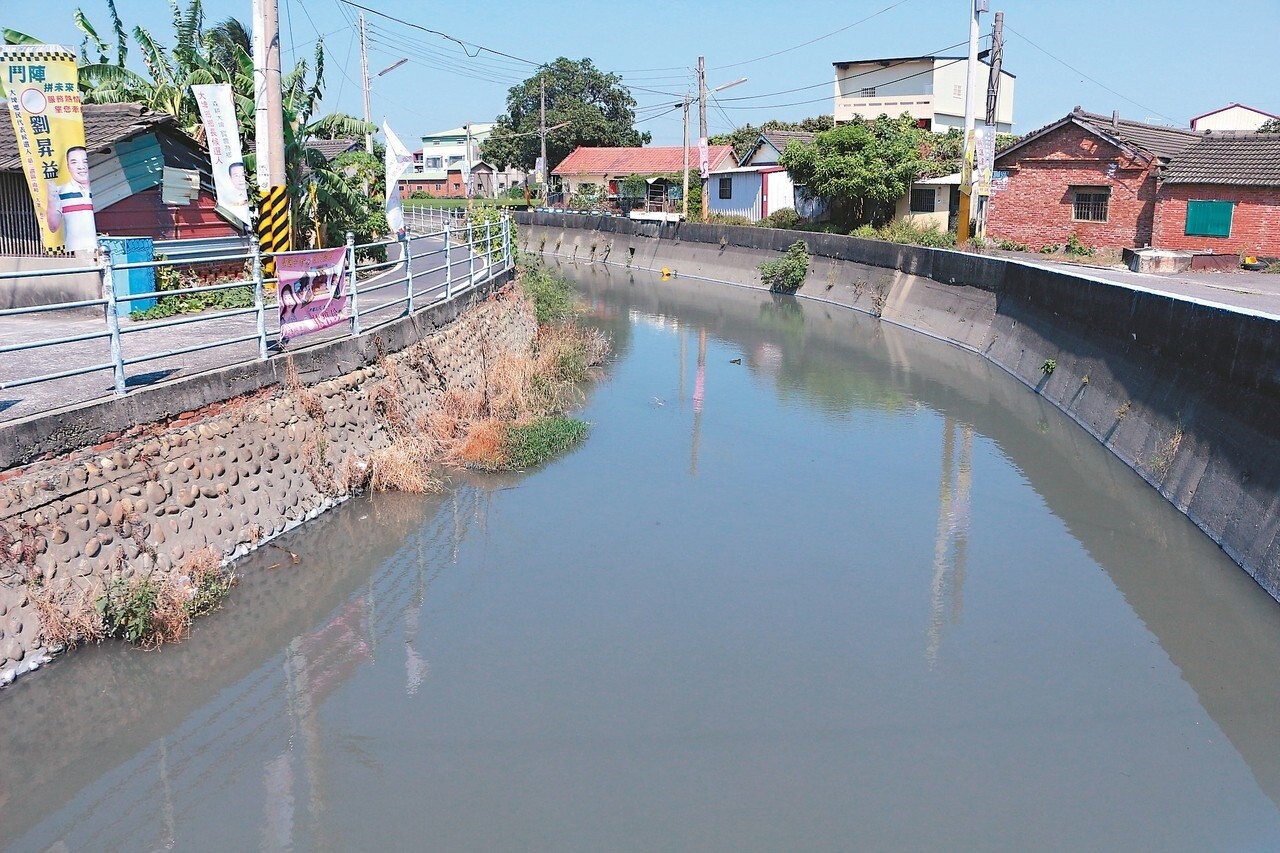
(859, 591)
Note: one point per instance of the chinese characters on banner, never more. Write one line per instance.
(40, 84)
(398, 161)
(312, 291)
(986, 159)
(704, 157)
(222, 133)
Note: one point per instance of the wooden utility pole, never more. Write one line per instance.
(684, 200)
(364, 79)
(273, 199)
(703, 152)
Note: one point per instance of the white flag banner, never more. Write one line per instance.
(704, 157)
(398, 161)
(222, 135)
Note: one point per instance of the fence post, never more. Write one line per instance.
(488, 245)
(113, 322)
(448, 263)
(351, 266)
(471, 253)
(406, 250)
(259, 300)
(506, 240)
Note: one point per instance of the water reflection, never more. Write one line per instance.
(951, 543)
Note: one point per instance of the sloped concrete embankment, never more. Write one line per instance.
(1186, 393)
(228, 475)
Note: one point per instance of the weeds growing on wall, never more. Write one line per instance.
(786, 274)
(552, 296)
(149, 611)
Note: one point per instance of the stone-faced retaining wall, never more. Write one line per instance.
(230, 476)
(1186, 393)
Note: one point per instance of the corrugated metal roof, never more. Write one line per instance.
(1234, 159)
(636, 161)
(104, 125)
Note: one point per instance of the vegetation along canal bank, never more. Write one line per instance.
(133, 536)
(1185, 392)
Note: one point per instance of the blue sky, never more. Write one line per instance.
(1157, 60)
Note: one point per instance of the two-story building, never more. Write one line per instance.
(438, 165)
(929, 88)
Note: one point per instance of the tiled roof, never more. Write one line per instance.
(779, 138)
(637, 161)
(104, 125)
(1237, 159)
(330, 148)
(1164, 142)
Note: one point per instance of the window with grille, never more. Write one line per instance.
(867, 93)
(1091, 204)
(726, 188)
(922, 201)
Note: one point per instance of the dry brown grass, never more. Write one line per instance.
(404, 466)
(482, 444)
(385, 399)
(68, 615)
(307, 400)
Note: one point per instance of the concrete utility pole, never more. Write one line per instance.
(993, 103)
(703, 152)
(970, 118)
(273, 198)
(542, 129)
(684, 199)
(364, 78)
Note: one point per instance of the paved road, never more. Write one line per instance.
(141, 339)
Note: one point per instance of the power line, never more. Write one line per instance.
(814, 40)
(1085, 76)
(827, 100)
(478, 47)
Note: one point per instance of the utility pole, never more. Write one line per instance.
(542, 129)
(993, 102)
(970, 119)
(273, 202)
(364, 78)
(684, 199)
(703, 152)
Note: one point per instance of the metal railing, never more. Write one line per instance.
(439, 258)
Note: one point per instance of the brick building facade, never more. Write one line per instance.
(1223, 195)
(1086, 175)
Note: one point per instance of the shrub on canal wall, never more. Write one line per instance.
(786, 274)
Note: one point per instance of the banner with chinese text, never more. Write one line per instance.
(41, 87)
(312, 291)
(222, 135)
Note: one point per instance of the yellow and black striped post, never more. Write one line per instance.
(273, 227)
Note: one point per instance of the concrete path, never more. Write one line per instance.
(141, 340)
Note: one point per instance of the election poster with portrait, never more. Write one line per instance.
(43, 95)
(312, 291)
(222, 135)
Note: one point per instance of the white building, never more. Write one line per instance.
(929, 88)
(446, 151)
(759, 186)
(1232, 117)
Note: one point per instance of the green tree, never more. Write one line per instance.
(862, 168)
(1270, 126)
(743, 138)
(595, 107)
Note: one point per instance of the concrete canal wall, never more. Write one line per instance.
(1186, 393)
(227, 460)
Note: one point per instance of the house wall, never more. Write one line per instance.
(1255, 222)
(1231, 118)
(936, 219)
(948, 105)
(1037, 206)
(746, 195)
(145, 214)
(779, 193)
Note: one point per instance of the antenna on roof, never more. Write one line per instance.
(1115, 119)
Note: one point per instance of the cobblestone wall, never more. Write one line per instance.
(230, 476)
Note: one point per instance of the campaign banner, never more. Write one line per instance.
(41, 87)
(704, 158)
(222, 135)
(986, 159)
(398, 161)
(312, 291)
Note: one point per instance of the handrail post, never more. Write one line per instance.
(351, 266)
(488, 245)
(113, 322)
(506, 240)
(448, 264)
(259, 300)
(405, 249)
(471, 253)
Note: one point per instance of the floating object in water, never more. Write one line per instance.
(735, 361)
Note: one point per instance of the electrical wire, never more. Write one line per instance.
(478, 47)
(1085, 76)
(890, 7)
(828, 99)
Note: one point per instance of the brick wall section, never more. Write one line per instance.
(1037, 207)
(1255, 223)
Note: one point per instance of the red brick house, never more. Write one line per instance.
(1222, 195)
(1086, 175)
